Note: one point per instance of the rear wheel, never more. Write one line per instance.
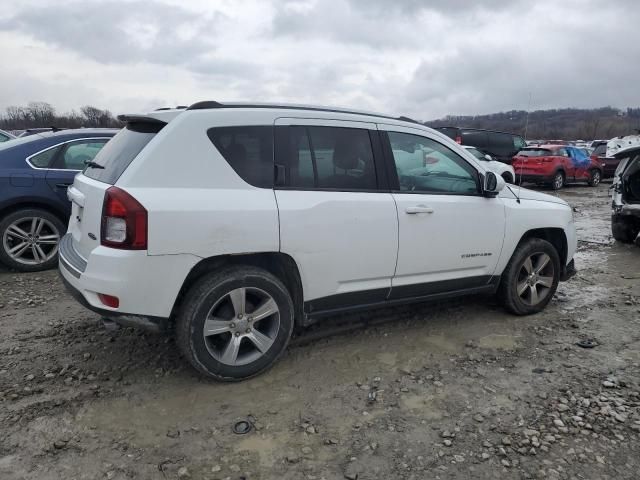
(235, 323)
(29, 240)
(595, 177)
(531, 277)
(558, 181)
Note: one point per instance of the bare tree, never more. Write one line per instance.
(41, 113)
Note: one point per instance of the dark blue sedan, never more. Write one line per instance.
(35, 172)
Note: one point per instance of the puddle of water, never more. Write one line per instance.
(268, 448)
(575, 295)
(497, 341)
(423, 403)
(388, 358)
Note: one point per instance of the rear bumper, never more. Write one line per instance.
(146, 286)
(154, 324)
(609, 167)
(534, 178)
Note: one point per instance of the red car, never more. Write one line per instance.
(556, 165)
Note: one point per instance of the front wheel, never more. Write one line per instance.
(235, 323)
(558, 181)
(531, 277)
(594, 177)
(29, 240)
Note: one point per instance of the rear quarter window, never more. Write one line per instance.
(248, 150)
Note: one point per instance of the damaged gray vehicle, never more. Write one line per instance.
(625, 218)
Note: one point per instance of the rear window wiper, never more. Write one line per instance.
(92, 164)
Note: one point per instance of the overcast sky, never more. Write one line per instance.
(423, 59)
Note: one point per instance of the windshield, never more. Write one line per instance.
(14, 142)
(534, 152)
(119, 152)
(478, 154)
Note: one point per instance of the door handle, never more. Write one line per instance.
(418, 209)
(63, 185)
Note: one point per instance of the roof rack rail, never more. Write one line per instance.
(212, 104)
(407, 119)
(179, 107)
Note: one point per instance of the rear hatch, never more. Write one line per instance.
(88, 190)
(532, 161)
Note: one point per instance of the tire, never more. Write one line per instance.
(622, 230)
(594, 177)
(219, 295)
(507, 177)
(40, 252)
(515, 277)
(558, 180)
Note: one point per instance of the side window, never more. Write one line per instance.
(77, 154)
(43, 159)
(248, 150)
(519, 143)
(4, 138)
(474, 138)
(562, 152)
(424, 165)
(331, 158)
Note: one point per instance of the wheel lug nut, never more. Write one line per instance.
(233, 325)
(248, 330)
(240, 316)
(237, 334)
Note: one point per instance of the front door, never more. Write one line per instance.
(450, 236)
(337, 219)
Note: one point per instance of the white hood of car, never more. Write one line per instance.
(526, 194)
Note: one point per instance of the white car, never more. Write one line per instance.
(234, 223)
(502, 169)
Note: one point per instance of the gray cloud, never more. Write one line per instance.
(119, 31)
(424, 59)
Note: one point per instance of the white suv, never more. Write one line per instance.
(234, 223)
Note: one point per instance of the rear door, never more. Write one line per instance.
(89, 187)
(562, 154)
(581, 162)
(450, 236)
(70, 160)
(337, 218)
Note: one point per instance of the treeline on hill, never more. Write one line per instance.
(42, 114)
(561, 124)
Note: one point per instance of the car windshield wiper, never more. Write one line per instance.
(92, 164)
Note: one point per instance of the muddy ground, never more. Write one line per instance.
(452, 391)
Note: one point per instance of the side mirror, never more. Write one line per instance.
(493, 184)
(488, 157)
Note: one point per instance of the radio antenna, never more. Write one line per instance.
(526, 127)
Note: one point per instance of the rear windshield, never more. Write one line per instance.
(120, 151)
(600, 150)
(534, 152)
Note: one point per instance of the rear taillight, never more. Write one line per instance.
(459, 140)
(109, 300)
(124, 221)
